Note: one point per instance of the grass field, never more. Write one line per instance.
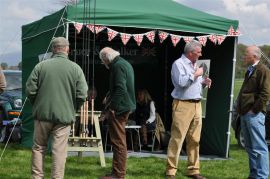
(16, 164)
(237, 86)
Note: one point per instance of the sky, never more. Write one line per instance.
(253, 16)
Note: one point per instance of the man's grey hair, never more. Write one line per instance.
(108, 53)
(59, 44)
(191, 46)
(257, 52)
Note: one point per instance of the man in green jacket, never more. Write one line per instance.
(56, 88)
(121, 103)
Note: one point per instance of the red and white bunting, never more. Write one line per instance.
(202, 40)
(188, 39)
(175, 39)
(90, 27)
(138, 38)
(151, 36)
(111, 34)
(213, 38)
(78, 27)
(231, 31)
(162, 36)
(237, 32)
(220, 39)
(125, 38)
(98, 28)
(216, 39)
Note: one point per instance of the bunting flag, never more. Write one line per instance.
(78, 27)
(220, 39)
(162, 36)
(202, 40)
(231, 31)
(216, 39)
(175, 39)
(213, 38)
(151, 36)
(125, 37)
(90, 27)
(138, 38)
(237, 32)
(98, 28)
(111, 34)
(188, 39)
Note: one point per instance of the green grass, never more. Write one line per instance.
(16, 164)
(237, 86)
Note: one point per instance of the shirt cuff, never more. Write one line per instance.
(191, 77)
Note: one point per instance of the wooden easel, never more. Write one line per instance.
(84, 143)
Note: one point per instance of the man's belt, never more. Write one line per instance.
(191, 100)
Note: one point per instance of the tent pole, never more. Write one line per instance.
(67, 30)
(231, 98)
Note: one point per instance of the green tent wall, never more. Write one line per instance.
(136, 17)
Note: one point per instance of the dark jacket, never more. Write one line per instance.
(56, 88)
(122, 92)
(255, 91)
(142, 113)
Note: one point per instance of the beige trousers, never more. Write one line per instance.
(59, 134)
(187, 123)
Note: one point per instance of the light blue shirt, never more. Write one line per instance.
(185, 87)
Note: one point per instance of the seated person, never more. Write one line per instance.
(145, 114)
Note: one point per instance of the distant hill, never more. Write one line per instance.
(12, 59)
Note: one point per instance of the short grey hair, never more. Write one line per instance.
(257, 52)
(108, 53)
(191, 46)
(59, 42)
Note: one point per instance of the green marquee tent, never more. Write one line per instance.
(151, 61)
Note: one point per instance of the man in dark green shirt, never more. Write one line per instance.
(56, 88)
(122, 103)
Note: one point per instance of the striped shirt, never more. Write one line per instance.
(185, 87)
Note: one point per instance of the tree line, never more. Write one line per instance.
(5, 66)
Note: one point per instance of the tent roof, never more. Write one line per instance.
(152, 14)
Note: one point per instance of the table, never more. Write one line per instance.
(136, 128)
(129, 128)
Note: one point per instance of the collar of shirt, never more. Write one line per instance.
(188, 62)
(251, 67)
(60, 54)
(256, 63)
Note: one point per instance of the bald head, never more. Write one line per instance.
(108, 54)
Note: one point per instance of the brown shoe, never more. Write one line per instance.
(170, 177)
(196, 176)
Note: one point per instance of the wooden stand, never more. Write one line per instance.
(83, 143)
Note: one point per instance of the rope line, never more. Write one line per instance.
(61, 19)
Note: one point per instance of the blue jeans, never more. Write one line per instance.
(253, 129)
